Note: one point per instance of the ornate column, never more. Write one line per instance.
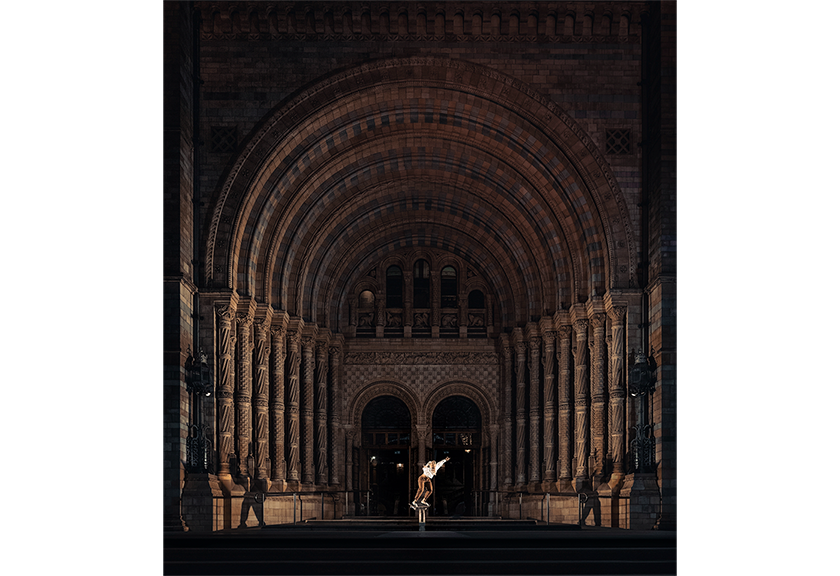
(581, 398)
(618, 391)
(261, 453)
(535, 411)
(306, 409)
(380, 313)
(277, 402)
(598, 448)
(224, 390)
(243, 390)
(494, 457)
(520, 408)
(564, 408)
(335, 416)
(550, 404)
(321, 371)
(293, 405)
(507, 406)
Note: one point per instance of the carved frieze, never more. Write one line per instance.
(422, 358)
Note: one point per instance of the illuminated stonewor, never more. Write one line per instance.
(482, 211)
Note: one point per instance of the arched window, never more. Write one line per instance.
(394, 287)
(421, 284)
(365, 325)
(475, 299)
(448, 287)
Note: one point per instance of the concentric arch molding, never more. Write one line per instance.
(555, 123)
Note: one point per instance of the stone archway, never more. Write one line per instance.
(456, 434)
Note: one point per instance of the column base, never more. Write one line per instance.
(563, 485)
(642, 494)
(200, 493)
(581, 484)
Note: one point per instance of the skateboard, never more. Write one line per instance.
(419, 505)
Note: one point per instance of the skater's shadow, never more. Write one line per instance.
(590, 504)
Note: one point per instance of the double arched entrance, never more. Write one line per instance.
(390, 458)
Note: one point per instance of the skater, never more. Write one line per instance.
(425, 482)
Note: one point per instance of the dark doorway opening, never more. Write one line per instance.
(386, 444)
(456, 433)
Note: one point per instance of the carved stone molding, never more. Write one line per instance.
(363, 397)
(420, 358)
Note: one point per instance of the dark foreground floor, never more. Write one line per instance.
(444, 548)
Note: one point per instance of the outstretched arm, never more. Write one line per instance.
(442, 462)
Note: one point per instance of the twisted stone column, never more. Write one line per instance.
(334, 415)
(507, 406)
(293, 408)
(550, 404)
(598, 448)
(261, 453)
(534, 411)
(321, 370)
(278, 404)
(243, 391)
(618, 391)
(581, 398)
(306, 409)
(564, 407)
(224, 390)
(520, 412)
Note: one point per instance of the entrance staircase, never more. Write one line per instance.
(396, 546)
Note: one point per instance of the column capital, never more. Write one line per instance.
(617, 313)
(581, 328)
(598, 320)
(224, 312)
(244, 319)
(578, 312)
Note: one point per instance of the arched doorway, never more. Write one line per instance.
(456, 432)
(386, 439)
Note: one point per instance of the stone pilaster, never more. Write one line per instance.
(565, 403)
(349, 434)
(225, 387)
(335, 415)
(293, 404)
(535, 411)
(618, 393)
(307, 440)
(244, 349)
(321, 373)
(521, 424)
(462, 314)
(494, 457)
(277, 402)
(262, 352)
(408, 303)
(581, 400)
(549, 408)
(380, 313)
(598, 448)
(507, 407)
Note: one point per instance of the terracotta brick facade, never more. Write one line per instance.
(524, 151)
